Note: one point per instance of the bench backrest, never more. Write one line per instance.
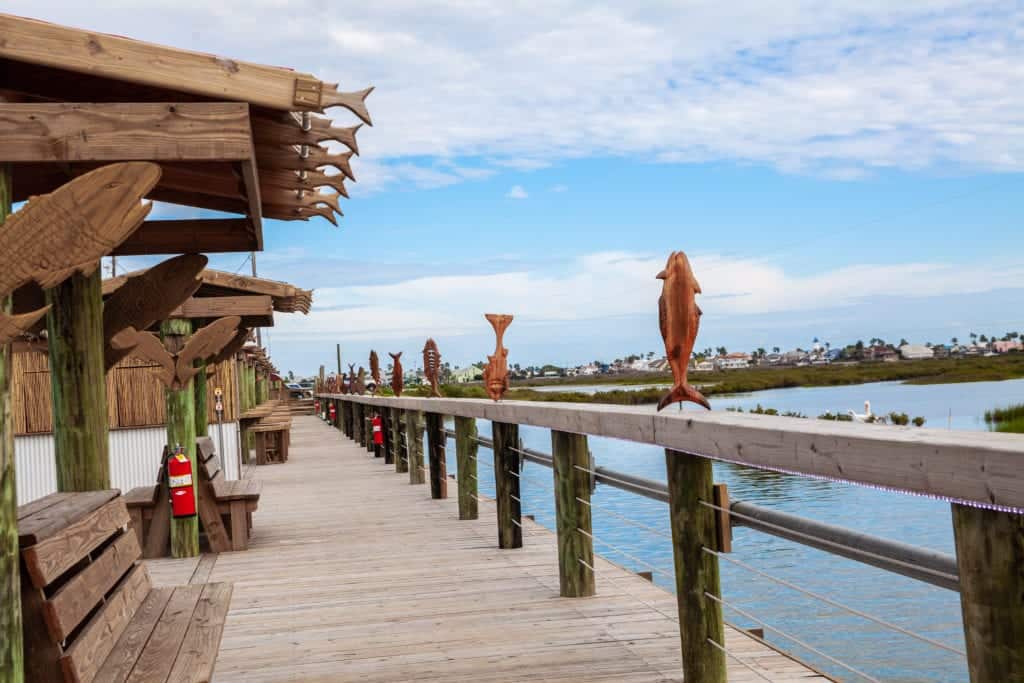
(207, 459)
(82, 582)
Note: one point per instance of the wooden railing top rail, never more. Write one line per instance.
(982, 468)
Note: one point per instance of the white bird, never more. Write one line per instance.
(858, 417)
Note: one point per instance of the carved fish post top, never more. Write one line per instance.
(361, 381)
(432, 367)
(375, 371)
(397, 382)
(679, 319)
(496, 373)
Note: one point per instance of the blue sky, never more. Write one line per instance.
(834, 169)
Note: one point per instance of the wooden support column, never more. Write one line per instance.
(368, 429)
(346, 418)
(506, 484)
(693, 528)
(181, 431)
(199, 385)
(437, 443)
(466, 448)
(990, 558)
(385, 448)
(357, 422)
(243, 405)
(399, 437)
(571, 458)
(78, 383)
(414, 438)
(11, 657)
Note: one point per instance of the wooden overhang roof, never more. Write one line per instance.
(230, 136)
(222, 294)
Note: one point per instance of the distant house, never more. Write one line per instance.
(660, 365)
(881, 352)
(590, 369)
(794, 357)
(1007, 346)
(940, 351)
(704, 366)
(733, 361)
(833, 355)
(916, 352)
(470, 373)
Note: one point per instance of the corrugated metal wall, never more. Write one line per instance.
(134, 459)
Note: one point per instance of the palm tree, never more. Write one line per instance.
(954, 341)
(775, 349)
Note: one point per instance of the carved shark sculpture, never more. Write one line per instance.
(432, 367)
(679, 318)
(496, 373)
(176, 368)
(67, 231)
(14, 326)
(375, 371)
(149, 297)
(396, 373)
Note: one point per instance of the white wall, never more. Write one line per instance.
(134, 459)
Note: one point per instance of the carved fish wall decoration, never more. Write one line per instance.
(375, 371)
(176, 368)
(679, 318)
(67, 231)
(149, 297)
(396, 373)
(432, 367)
(496, 373)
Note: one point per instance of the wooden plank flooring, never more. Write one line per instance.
(355, 575)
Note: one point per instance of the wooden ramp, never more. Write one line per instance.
(354, 575)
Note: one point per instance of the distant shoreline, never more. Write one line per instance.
(945, 371)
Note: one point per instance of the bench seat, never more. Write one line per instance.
(89, 610)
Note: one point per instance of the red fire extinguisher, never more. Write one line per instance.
(179, 480)
(378, 433)
(316, 407)
(333, 412)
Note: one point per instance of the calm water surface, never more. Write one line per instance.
(862, 644)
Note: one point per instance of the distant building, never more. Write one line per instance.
(704, 366)
(880, 352)
(1007, 346)
(916, 352)
(940, 351)
(470, 373)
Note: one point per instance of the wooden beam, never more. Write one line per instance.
(193, 236)
(221, 306)
(134, 61)
(158, 131)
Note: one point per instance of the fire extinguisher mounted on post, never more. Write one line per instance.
(316, 408)
(334, 414)
(378, 432)
(179, 481)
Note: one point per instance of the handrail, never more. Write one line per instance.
(926, 565)
(980, 469)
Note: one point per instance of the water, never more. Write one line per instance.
(922, 608)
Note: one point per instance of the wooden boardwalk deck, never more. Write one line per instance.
(354, 575)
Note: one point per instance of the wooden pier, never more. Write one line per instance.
(354, 574)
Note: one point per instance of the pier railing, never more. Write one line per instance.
(980, 474)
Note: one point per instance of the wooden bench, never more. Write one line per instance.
(89, 610)
(225, 507)
(271, 425)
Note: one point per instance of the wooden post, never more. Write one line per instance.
(199, 384)
(368, 429)
(693, 528)
(399, 437)
(385, 448)
(989, 556)
(506, 484)
(414, 437)
(181, 431)
(466, 448)
(243, 405)
(11, 657)
(346, 425)
(437, 443)
(357, 422)
(78, 383)
(570, 452)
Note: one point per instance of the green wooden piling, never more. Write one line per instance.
(12, 665)
(571, 458)
(466, 447)
(693, 528)
(506, 484)
(414, 437)
(199, 385)
(78, 383)
(181, 431)
(399, 437)
(437, 442)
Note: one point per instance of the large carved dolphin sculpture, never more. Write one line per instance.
(679, 318)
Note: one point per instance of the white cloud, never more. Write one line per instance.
(559, 188)
(838, 88)
(517, 192)
(609, 285)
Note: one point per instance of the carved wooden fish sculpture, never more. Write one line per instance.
(496, 373)
(351, 378)
(375, 371)
(176, 368)
(432, 366)
(679, 318)
(396, 373)
(14, 326)
(232, 347)
(149, 297)
(67, 231)
(361, 381)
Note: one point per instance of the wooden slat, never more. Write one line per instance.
(239, 525)
(51, 519)
(191, 236)
(198, 652)
(83, 659)
(211, 468)
(146, 131)
(134, 61)
(220, 306)
(250, 177)
(204, 568)
(159, 535)
(157, 659)
(205, 448)
(68, 606)
(140, 496)
(211, 520)
(119, 664)
(40, 504)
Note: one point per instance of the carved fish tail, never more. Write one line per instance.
(683, 392)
